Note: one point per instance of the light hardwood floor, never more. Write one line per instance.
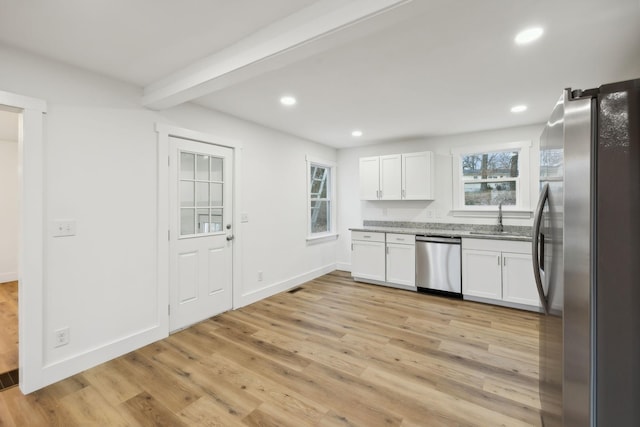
(8, 326)
(335, 353)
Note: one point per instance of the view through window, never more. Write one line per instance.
(320, 198)
(490, 178)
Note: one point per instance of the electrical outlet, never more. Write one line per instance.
(244, 217)
(61, 337)
(64, 228)
(259, 276)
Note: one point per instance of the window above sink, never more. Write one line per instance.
(486, 177)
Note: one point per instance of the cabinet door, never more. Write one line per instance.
(518, 284)
(391, 177)
(368, 260)
(369, 178)
(481, 274)
(401, 264)
(417, 176)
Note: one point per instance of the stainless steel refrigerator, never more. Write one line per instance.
(586, 258)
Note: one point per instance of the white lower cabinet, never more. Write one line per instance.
(518, 284)
(368, 255)
(384, 258)
(401, 259)
(481, 274)
(500, 272)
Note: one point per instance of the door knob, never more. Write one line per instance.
(230, 238)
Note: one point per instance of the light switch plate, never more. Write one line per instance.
(63, 228)
(244, 217)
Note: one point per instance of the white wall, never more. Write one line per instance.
(352, 211)
(9, 221)
(274, 197)
(101, 170)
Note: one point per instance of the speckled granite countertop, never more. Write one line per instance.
(517, 233)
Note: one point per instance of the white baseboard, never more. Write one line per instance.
(343, 266)
(75, 364)
(257, 295)
(8, 277)
(62, 369)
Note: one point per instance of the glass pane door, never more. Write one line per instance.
(200, 193)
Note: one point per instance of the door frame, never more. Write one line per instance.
(163, 260)
(31, 241)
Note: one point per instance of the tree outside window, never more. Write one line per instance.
(321, 190)
(490, 178)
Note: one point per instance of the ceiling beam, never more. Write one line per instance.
(284, 42)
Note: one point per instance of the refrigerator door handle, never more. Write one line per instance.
(535, 241)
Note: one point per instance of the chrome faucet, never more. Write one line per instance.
(500, 226)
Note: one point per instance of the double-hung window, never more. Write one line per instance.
(321, 209)
(489, 176)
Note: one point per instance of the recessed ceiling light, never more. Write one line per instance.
(356, 133)
(288, 100)
(518, 108)
(529, 35)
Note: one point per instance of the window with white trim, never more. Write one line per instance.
(490, 178)
(321, 209)
(493, 175)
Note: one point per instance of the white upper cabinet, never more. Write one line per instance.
(391, 177)
(369, 178)
(417, 176)
(397, 177)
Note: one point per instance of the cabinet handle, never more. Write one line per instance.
(352, 247)
(387, 250)
(498, 259)
(504, 261)
(403, 194)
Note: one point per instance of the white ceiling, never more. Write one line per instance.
(138, 41)
(425, 67)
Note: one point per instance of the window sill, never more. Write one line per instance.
(491, 213)
(312, 240)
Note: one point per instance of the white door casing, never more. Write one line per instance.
(31, 247)
(201, 231)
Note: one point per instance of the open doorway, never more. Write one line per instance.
(9, 230)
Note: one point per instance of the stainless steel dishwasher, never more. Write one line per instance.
(438, 264)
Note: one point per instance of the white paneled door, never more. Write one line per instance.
(201, 235)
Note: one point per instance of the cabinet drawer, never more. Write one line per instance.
(497, 245)
(405, 239)
(367, 236)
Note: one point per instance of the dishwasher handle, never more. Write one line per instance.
(437, 239)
